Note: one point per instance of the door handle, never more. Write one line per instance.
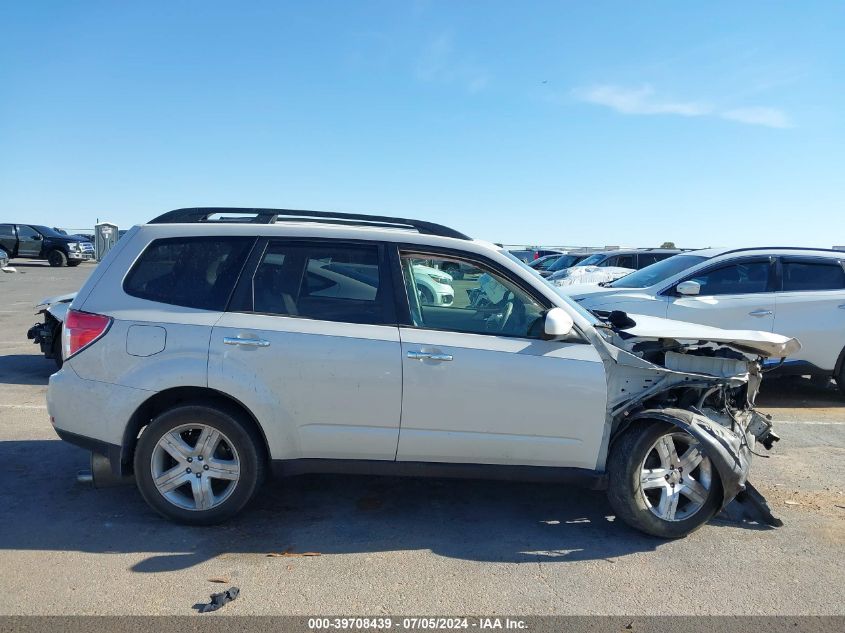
(429, 356)
(760, 313)
(246, 342)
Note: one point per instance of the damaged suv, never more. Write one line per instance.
(216, 346)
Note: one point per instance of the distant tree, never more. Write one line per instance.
(668, 245)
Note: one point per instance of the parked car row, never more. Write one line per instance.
(214, 352)
(796, 292)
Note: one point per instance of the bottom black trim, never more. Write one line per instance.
(552, 474)
(109, 451)
(796, 368)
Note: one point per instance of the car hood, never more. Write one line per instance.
(765, 344)
(592, 292)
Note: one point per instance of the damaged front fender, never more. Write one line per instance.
(728, 450)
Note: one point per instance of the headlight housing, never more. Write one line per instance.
(439, 279)
(75, 246)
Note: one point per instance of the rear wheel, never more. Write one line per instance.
(426, 296)
(661, 481)
(56, 258)
(840, 379)
(198, 465)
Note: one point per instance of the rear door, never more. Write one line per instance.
(811, 307)
(735, 295)
(310, 345)
(30, 241)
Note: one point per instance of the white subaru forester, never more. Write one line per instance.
(214, 346)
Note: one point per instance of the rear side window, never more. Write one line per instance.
(194, 272)
(322, 281)
(6, 230)
(805, 275)
(623, 261)
(647, 259)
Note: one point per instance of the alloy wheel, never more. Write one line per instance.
(675, 477)
(195, 467)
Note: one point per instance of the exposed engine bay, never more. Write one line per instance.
(704, 380)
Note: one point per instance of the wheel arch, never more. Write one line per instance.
(170, 398)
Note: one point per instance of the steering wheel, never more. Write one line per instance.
(507, 313)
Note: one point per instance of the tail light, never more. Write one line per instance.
(82, 329)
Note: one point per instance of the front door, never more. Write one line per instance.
(735, 296)
(29, 241)
(480, 383)
(312, 348)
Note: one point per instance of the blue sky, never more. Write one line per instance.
(710, 123)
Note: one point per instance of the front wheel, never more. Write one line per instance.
(661, 481)
(198, 465)
(74, 263)
(56, 258)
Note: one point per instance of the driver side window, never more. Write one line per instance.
(448, 294)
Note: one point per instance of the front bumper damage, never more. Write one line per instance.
(703, 380)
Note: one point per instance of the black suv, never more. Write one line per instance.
(41, 242)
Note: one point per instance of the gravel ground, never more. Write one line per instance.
(389, 546)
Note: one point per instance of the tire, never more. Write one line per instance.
(74, 263)
(180, 497)
(840, 379)
(635, 457)
(426, 296)
(56, 258)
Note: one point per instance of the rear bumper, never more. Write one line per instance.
(93, 414)
(111, 452)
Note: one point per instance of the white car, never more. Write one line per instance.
(203, 354)
(589, 275)
(795, 292)
(434, 285)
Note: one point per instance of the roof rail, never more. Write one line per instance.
(271, 216)
(780, 248)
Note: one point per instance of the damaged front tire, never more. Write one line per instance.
(661, 480)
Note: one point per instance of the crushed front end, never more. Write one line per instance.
(702, 379)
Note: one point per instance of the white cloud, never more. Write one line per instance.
(770, 117)
(638, 101)
(644, 100)
(439, 63)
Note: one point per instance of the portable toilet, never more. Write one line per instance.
(105, 236)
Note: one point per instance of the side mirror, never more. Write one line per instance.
(558, 323)
(37, 237)
(688, 288)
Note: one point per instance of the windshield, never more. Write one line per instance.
(658, 272)
(593, 260)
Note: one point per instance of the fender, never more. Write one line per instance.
(729, 452)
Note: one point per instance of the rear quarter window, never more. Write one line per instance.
(194, 272)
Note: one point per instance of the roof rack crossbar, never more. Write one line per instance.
(270, 216)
